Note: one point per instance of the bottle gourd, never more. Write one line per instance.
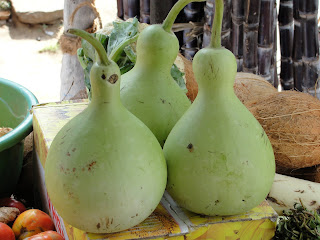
(105, 170)
(148, 90)
(219, 159)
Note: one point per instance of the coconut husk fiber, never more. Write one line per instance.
(291, 120)
(250, 87)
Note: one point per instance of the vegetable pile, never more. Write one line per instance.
(19, 223)
(213, 149)
(298, 223)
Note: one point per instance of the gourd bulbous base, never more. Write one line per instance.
(105, 171)
(220, 161)
(108, 176)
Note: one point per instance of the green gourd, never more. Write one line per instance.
(148, 90)
(105, 170)
(219, 159)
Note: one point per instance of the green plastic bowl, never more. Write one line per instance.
(15, 104)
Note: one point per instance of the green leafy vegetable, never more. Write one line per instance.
(118, 45)
(298, 223)
(121, 32)
(178, 76)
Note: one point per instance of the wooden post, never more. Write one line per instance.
(131, 8)
(159, 10)
(120, 12)
(237, 16)
(145, 11)
(250, 36)
(265, 40)
(286, 43)
(193, 12)
(226, 23)
(72, 76)
(308, 11)
(297, 48)
(274, 71)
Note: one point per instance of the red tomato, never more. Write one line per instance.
(48, 235)
(31, 222)
(6, 232)
(11, 202)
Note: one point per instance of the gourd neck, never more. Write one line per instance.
(175, 10)
(215, 41)
(105, 84)
(103, 95)
(153, 66)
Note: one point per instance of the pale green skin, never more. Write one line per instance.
(105, 170)
(148, 90)
(230, 167)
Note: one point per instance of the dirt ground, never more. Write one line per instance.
(31, 57)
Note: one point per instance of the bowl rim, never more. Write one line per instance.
(25, 127)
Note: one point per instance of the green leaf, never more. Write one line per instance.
(130, 54)
(88, 50)
(121, 32)
(87, 82)
(177, 75)
(103, 39)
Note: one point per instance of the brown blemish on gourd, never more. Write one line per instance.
(216, 202)
(74, 149)
(107, 222)
(162, 100)
(98, 225)
(74, 169)
(190, 147)
(90, 165)
(103, 76)
(68, 154)
(140, 101)
(111, 221)
(113, 78)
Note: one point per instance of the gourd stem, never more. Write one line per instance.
(215, 41)
(103, 58)
(115, 54)
(175, 10)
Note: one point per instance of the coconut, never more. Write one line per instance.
(291, 120)
(251, 87)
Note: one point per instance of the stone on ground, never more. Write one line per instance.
(38, 11)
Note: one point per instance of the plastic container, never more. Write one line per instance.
(15, 112)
